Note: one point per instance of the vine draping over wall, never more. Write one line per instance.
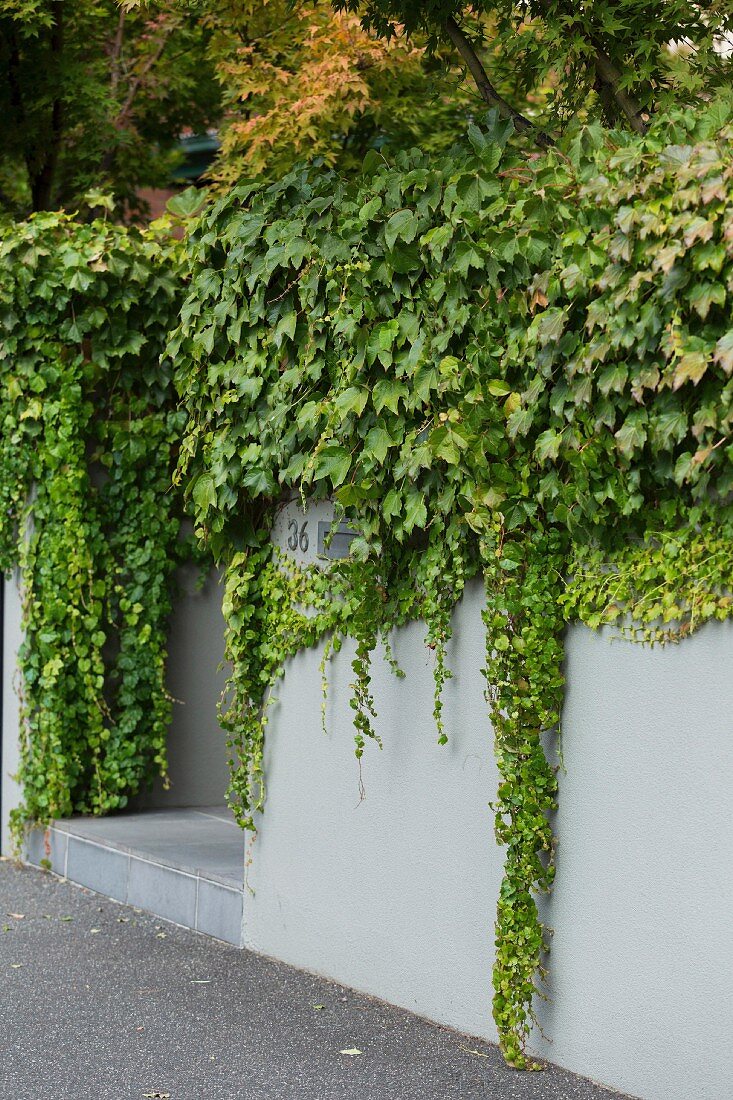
(512, 366)
(89, 428)
(498, 364)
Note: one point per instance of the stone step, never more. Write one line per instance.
(184, 865)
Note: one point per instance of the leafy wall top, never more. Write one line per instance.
(536, 337)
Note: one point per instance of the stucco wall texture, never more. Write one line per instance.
(394, 893)
(12, 636)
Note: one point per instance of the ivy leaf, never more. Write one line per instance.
(332, 463)
(723, 354)
(415, 510)
(387, 394)
(377, 443)
(703, 295)
(285, 327)
(370, 208)
(499, 388)
(401, 226)
(187, 203)
(258, 480)
(613, 379)
(352, 400)
(548, 445)
(690, 367)
(632, 434)
(466, 255)
(549, 325)
(204, 493)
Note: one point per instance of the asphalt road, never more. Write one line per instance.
(102, 1002)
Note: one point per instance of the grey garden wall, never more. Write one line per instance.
(394, 893)
(197, 754)
(12, 636)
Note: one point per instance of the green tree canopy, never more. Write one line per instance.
(551, 59)
(94, 96)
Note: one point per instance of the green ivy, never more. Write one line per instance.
(89, 443)
(496, 364)
(501, 365)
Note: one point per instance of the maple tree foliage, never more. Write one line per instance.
(301, 81)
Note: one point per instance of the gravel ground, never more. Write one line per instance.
(102, 1001)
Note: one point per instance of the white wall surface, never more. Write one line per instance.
(395, 894)
(197, 753)
(9, 790)
(642, 957)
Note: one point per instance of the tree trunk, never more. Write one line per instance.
(43, 175)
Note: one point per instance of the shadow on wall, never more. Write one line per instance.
(197, 753)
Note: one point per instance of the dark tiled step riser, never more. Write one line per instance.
(189, 900)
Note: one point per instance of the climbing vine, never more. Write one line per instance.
(495, 364)
(498, 365)
(89, 434)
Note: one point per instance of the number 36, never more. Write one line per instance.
(298, 538)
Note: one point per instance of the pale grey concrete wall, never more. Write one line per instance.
(642, 962)
(395, 895)
(10, 795)
(197, 753)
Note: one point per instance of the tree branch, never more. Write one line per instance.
(608, 81)
(610, 77)
(136, 84)
(115, 56)
(138, 80)
(488, 92)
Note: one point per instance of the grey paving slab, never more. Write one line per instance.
(170, 894)
(101, 869)
(101, 1001)
(197, 841)
(219, 912)
(222, 813)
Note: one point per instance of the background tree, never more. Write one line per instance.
(543, 61)
(94, 96)
(298, 80)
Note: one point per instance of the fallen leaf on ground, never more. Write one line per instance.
(16, 966)
(352, 1051)
(478, 1053)
(156, 1095)
(17, 916)
(94, 930)
(66, 918)
(318, 1007)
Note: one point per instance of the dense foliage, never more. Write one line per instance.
(299, 81)
(95, 96)
(498, 364)
(87, 448)
(620, 61)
